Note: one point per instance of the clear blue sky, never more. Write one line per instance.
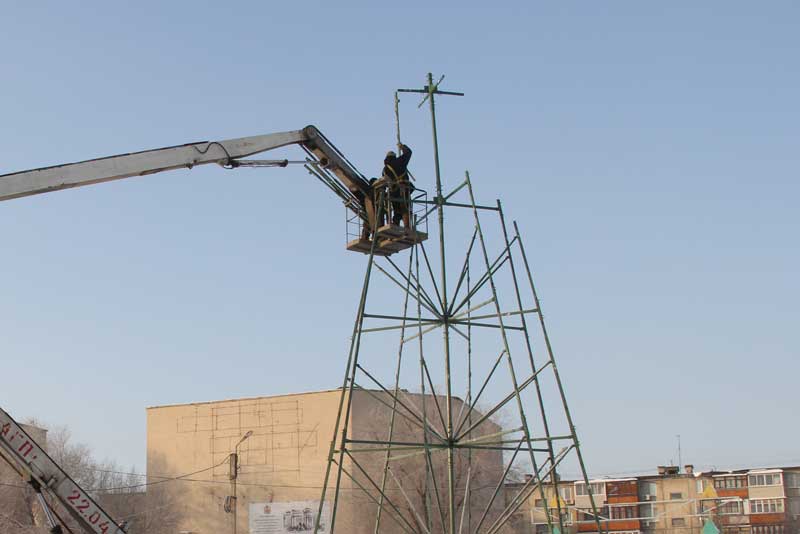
(648, 151)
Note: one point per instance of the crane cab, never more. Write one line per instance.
(389, 238)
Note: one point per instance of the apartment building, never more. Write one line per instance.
(746, 501)
(616, 501)
(532, 516)
(722, 498)
(668, 501)
(754, 501)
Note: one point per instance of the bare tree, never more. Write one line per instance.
(18, 506)
(154, 511)
(416, 484)
(144, 505)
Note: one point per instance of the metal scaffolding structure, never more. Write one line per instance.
(461, 429)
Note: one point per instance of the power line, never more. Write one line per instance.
(165, 479)
(182, 478)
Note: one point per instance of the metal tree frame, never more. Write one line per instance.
(453, 436)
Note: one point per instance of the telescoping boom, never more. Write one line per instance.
(227, 153)
(324, 161)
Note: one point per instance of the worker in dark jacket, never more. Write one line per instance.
(395, 169)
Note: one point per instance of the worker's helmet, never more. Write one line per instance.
(391, 154)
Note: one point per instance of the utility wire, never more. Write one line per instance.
(165, 479)
(182, 478)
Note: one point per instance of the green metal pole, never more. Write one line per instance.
(396, 390)
(430, 476)
(558, 380)
(468, 496)
(540, 398)
(347, 392)
(512, 372)
(446, 327)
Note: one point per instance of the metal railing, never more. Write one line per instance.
(356, 220)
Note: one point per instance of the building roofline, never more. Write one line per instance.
(258, 397)
(696, 474)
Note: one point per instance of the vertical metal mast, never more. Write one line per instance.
(431, 91)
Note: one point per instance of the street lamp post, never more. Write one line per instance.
(235, 475)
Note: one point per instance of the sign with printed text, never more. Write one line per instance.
(287, 517)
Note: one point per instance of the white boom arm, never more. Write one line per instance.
(95, 171)
(99, 170)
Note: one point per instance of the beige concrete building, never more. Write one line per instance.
(532, 516)
(282, 444)
(668, 501)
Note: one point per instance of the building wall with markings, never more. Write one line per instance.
(284, 459)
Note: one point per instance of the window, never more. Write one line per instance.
(539, 503)
(767, 479)
(678, 522)
(647, 489)
(719, 507)
(730, 482)
(598, 488)
(766, 506)
(730, 507)
(565, 492)
(706, 506)
(793, 480)
(646, 510)
(675, 496)
(586, 515)
(768, 529)
(622, 512)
